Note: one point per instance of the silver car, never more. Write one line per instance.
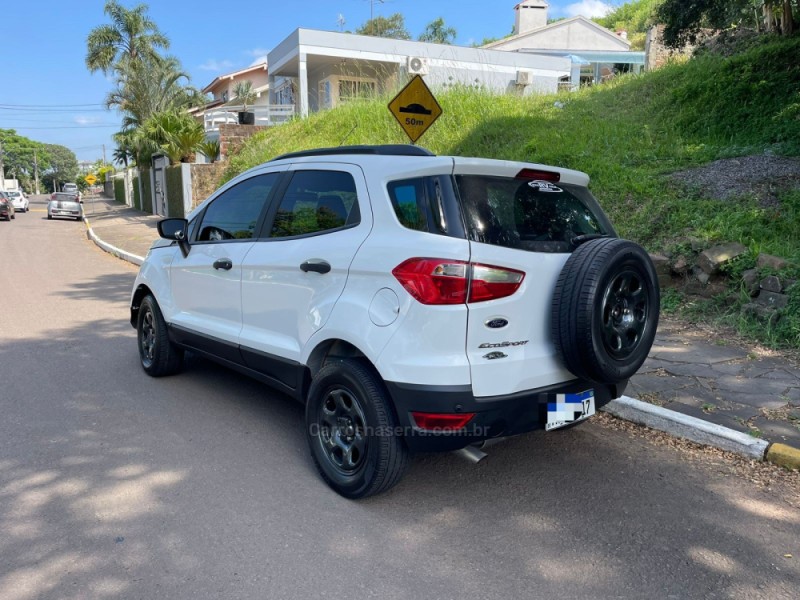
(64, 204)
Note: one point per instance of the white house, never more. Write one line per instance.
(578, 37)
(317, 70)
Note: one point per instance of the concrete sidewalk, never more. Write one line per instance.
(691, 370)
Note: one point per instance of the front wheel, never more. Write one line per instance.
(159, 356)
(352, 432)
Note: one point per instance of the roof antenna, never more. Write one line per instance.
(348, 134)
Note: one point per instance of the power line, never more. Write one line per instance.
(47, 110)
(70, 127)
(49, 105)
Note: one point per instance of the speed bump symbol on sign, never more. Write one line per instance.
(415, 108)
(90, 179)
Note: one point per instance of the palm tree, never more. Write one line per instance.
(131, 37)
(146, 89)
(176, 133)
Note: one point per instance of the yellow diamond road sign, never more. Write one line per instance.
(415, 108)
(90, 179)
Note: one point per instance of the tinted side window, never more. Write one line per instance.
(234, 214)
(529, 215)
(316, 201)
(421, 204)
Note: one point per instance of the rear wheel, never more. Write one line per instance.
(352, 432)
(159, 356)
(605, 310)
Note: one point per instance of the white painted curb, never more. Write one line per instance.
(118, 252)
(684, 426)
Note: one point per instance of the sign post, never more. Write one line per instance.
(91, 180)
(415, 108)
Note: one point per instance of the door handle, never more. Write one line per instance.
(223, 263)
(317, 265)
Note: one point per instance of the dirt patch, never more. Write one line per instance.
(762, 176)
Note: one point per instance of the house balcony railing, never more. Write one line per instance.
(269, 114)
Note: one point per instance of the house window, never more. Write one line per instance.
(225, 96)
(356, 89)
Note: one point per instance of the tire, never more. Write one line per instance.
(50, 217)
(158, 355)
(352, 432)
(605, 310)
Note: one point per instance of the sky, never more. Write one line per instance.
(48, 95)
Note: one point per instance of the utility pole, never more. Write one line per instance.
(371, 18)
(36, 170)
(2, 169)
(104, 155)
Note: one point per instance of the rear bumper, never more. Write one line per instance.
(495, 416)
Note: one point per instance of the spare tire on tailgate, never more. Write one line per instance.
(605, 310)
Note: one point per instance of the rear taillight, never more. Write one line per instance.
(535, 174)
(442, 281)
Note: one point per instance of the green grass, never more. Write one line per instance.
(627, 135)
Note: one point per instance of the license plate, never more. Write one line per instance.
(569, 408)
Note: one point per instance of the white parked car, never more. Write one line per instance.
(412, 302)
(18, 199)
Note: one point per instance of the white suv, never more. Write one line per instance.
(413, 302)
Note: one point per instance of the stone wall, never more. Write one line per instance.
(231, 137)
(657, 54)
(205, 179)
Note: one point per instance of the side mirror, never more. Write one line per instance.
(175, 230)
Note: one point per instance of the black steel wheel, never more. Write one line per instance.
(158, 355)
(352, 432)
(605, 310)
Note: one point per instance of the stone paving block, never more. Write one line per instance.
(771, 284)
(762, 387)
(778, 431)
(696, 396)
(772, 300)
(773, 262)
(753, 399)
(712, 259)
(658, 385)
(689, 370)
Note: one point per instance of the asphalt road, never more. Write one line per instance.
(116, 485)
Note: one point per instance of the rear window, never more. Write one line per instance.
(529, 215)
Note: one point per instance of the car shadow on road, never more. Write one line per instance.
(115, 483)
(115, 288)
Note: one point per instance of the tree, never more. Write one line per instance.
(62, 165)
(146, 89)
(634, 17)
(683, 19)
(131, 37)
(177, 134)
(388, 27)
(437, 33)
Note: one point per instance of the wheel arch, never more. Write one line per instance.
(136, 300)
(332, 348)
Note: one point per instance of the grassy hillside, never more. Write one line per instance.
(627, 135)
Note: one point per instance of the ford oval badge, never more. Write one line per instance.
(496, 323)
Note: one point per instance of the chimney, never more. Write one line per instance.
(530, 15)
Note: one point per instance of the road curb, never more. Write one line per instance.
(118, 252)
(690, 428)
(783, 455)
